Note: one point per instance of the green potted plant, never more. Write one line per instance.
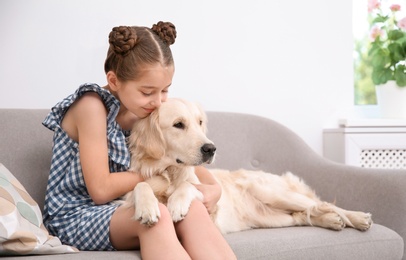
(387, 53)
(388, 44)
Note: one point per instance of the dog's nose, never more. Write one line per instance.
(208, 150)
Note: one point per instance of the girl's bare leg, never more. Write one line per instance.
(200, 237)
(157, 242)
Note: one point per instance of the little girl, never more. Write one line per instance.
(90, 161)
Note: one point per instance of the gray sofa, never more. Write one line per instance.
(247, 141)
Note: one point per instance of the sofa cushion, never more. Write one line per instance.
(303, 243)
(21, 228)
(307, 242)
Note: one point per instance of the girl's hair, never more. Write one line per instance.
(132, 47)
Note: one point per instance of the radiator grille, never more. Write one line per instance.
(387, 159)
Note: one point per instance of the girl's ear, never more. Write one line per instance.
(112, 80)
(146, 140)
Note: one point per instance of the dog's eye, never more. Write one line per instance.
(200, 122)
(179, 125)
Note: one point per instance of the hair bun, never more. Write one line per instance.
(166, 31)
(123, 39)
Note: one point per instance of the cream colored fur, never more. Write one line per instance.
(168, 144)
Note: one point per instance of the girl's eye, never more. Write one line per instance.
(146, 94)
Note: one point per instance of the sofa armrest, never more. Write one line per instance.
(378, 191)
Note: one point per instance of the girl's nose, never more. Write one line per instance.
(157, 101)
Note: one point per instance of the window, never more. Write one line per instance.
(364, 89)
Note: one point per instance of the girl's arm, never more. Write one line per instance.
(210, 188)
(86, 123)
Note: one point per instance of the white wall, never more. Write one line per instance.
(286, 60)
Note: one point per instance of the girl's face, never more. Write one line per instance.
(144, 95)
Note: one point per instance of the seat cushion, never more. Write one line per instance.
(292, 243)
(317, 243)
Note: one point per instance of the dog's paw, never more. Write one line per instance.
(360, 220)
(330, 220)
(334, 221)
(147, 214)
(180, 200)
(178, 208)
(146, 206)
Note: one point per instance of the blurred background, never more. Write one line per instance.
(291, 61)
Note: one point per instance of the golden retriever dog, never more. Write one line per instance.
(167, 145)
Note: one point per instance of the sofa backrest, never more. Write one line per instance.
(25, 148)
(242, 141)
(257, 143)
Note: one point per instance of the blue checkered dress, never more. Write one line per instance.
(69, 212)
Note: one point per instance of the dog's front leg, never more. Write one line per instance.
(180, 200)
(145, 203)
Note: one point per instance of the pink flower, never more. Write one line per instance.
(375, 33)
(402, 24)
(373, 4)
(395, 7)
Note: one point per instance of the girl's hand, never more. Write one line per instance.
(211, 195)
(209, 187)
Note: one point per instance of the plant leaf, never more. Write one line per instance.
(380, 59)
(395, 35)
(381, 75)
(397, 53)
(400, 75)
(380, 19)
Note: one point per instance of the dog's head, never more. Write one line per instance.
(173, 135)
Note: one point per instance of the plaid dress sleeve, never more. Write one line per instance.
(69, 211)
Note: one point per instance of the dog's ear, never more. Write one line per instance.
(146, 138)
(203, 117)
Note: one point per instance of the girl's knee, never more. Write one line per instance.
(197, 214)
(165, 217)
(198, 206)
(198, 211)
(164, 224)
